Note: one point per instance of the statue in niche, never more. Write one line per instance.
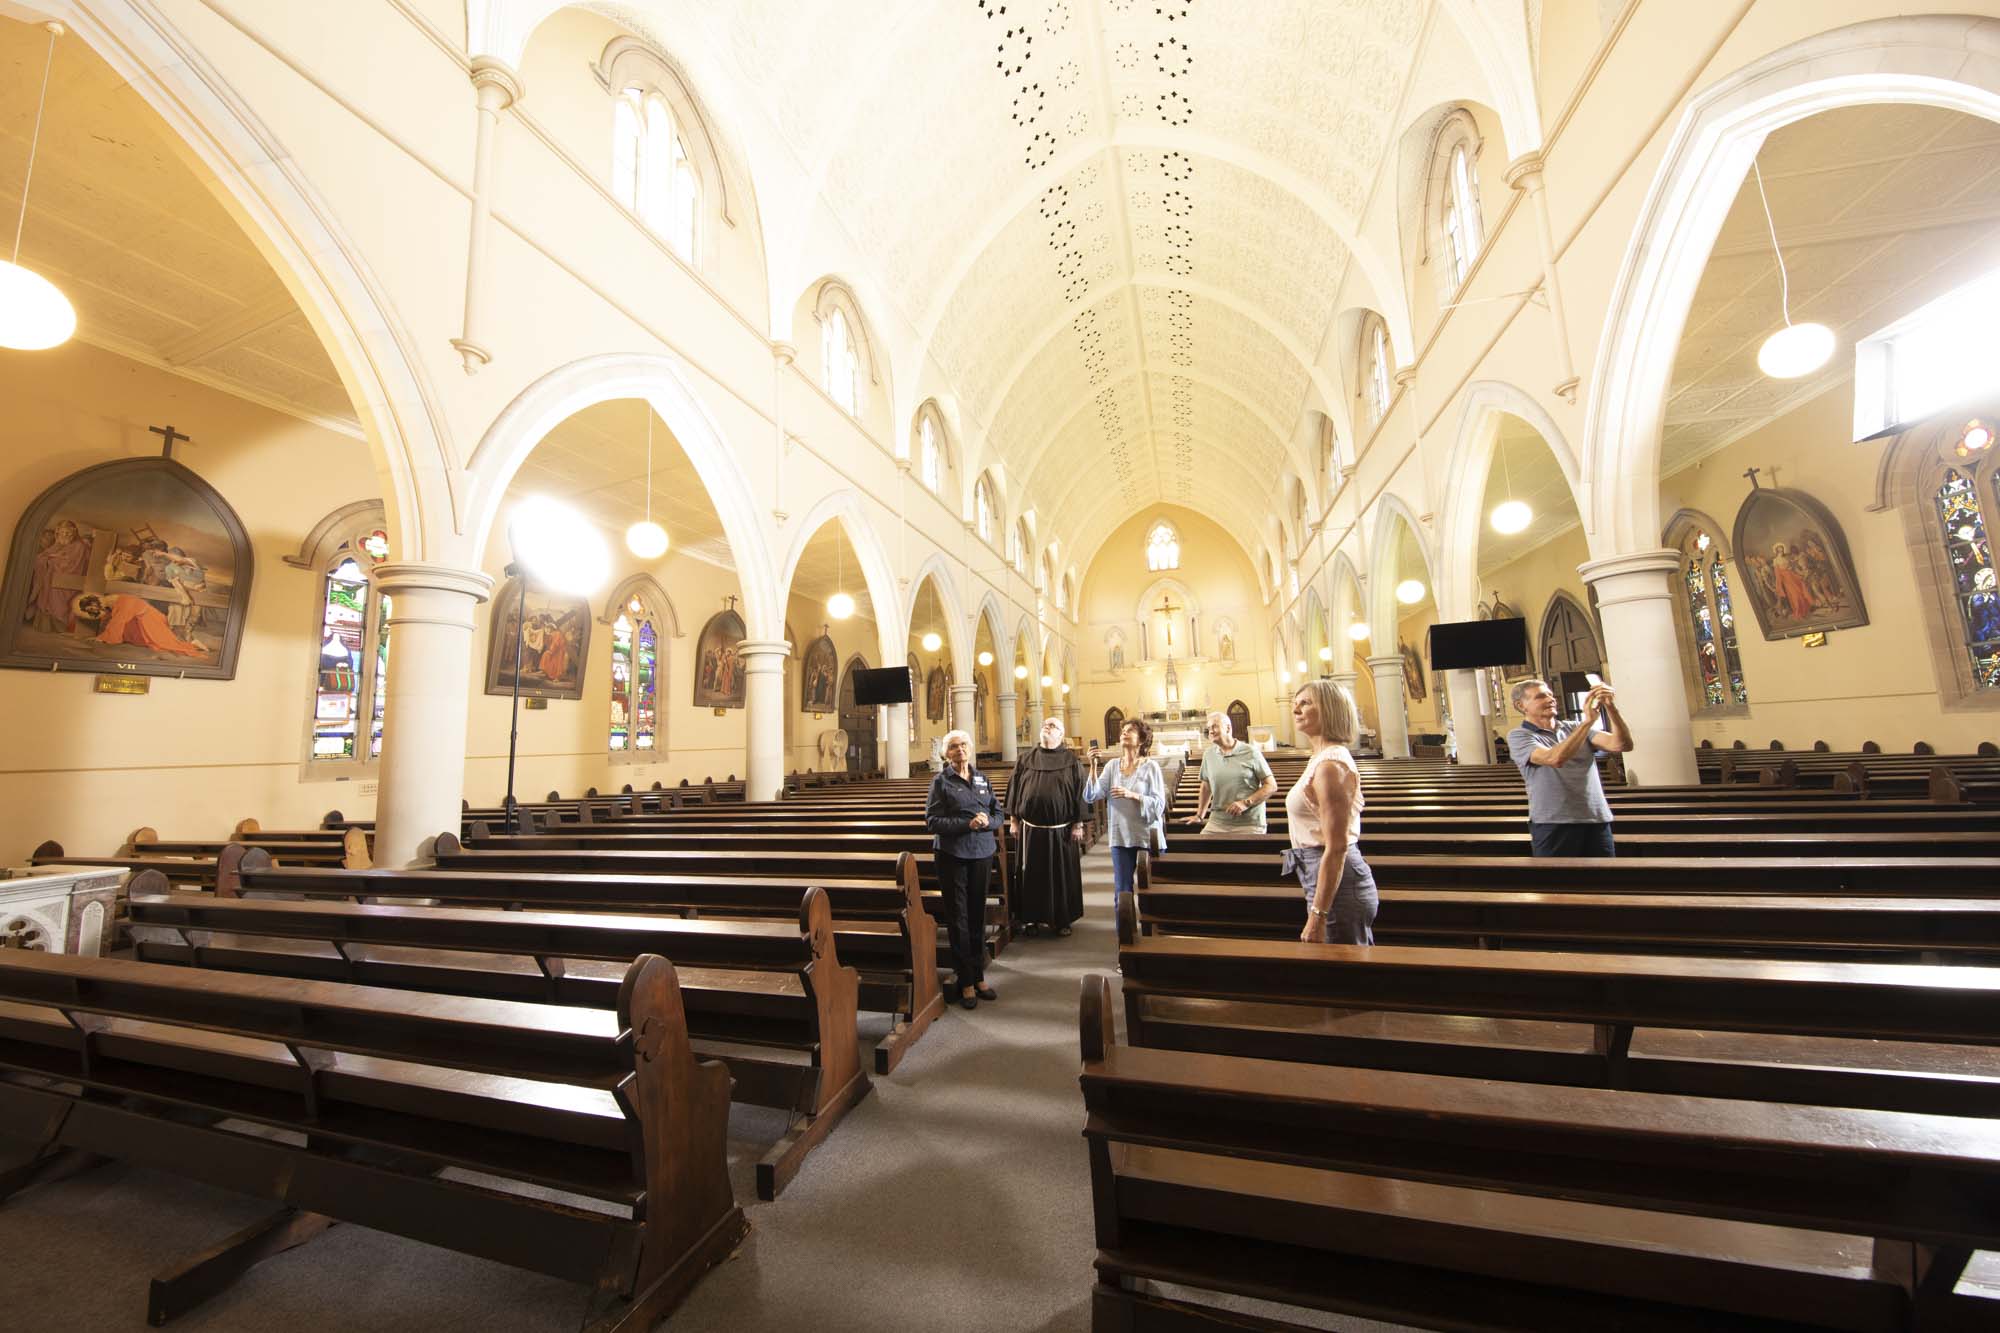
(1225, 640)
(1114, 642)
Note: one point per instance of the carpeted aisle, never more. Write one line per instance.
(956, 1197)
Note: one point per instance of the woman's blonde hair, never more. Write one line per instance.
(1336, 709)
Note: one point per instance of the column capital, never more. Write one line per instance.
(785, 352)
(965, 691)
(1405, 376)
(1349, 678)
(754, 648)
(401, 576)
(1635, 576)
(1008, 698)
(498, 84)
(1524, 172)
(1385, 662)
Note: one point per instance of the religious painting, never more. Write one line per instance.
(133, 566)
(935, 692)
(1413, 671)
(1501, 611)
(1795, 565)
(552, 638)
(816, 678)
(718, 667)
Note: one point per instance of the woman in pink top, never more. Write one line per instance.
(1323, 810)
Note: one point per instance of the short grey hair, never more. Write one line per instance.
(1219, 716)
(1521, 688)
(945, 743)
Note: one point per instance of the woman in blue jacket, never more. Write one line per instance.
(1138, 802)
(962, 816)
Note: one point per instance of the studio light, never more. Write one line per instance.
(34, 314)
(1358, 631)
(1796, 349)
(558, 548)
(1409, 592)
(985, 658)
(647, 539)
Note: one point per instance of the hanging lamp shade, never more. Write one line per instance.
(646, 539)
(1511, 516)
(840, 606)
(1409, 592)
(1358, 631)
(34, 314)
(1795, 350)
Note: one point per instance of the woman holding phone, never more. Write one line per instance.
(1137, 796)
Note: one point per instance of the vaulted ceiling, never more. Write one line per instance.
(1120, 226)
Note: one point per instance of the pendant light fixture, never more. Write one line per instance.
(933, 640)
(34, 314)
(985, 657)
(1410, 591)
(1510, 515)
(1358, 631)
(1796, 349)
(647, 539)
(840, 606)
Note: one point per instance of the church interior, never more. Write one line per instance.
(579, 503)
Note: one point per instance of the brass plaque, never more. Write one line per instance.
(1817, 639)
(535, 704)
(124, 684)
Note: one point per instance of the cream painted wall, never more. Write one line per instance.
(1219, 575)
(190, 757)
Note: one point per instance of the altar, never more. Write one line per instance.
(59, 911)
(1178, 733)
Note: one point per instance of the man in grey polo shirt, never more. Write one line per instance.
(1567, 812)
(1235, 782)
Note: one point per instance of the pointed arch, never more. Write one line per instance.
(1383, 617)
(1455, 577)
(847, 508)
(937, 568)
(656, 596)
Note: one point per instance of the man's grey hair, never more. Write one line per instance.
(1521, 688)
(1223, 718)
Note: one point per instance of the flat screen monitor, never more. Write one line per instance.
(1461, 645)
(882, 685)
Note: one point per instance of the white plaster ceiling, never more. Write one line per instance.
(1530, 474)
(157, 269)
(1879, 209)
(1118, 223)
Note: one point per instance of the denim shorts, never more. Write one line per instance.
(1351, 918)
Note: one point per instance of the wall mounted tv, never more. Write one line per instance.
(1461, 645)
(882, 685)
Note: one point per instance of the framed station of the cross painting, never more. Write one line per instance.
(135, 566)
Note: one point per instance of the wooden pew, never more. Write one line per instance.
(768, 999)
(375, 1093)
(879, 926)
(1571, 1018)
(1472, 1204)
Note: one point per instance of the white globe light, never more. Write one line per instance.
(840, 606)
(560, 548)
(1065, 687)
(985, 658)
(1409, 592)
(1020, 672)
(932, 641)
(34, 314)
(1048, 681)
(1795, 350)
(1358, 631)
(1511, 516)
(1301, 664)
(1326, 654)
(646, 539)
(1284, 677)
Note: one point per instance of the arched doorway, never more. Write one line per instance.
(1114, 718)
(1569, 640)
(856, 720)
(1238, 713)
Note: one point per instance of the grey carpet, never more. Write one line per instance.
(957, 1196)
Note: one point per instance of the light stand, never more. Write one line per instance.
(510, 805)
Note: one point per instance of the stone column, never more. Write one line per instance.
(964, 698)
(896, 740)
(1346, 680)
(1281, 721)
(1010, 749)
(1071, 716)
(1034, 720)
(424, 715)
(1392, 715)
(1467, 722)
(498, 88)
(1525, 173)
(764, 709)
(1635, 597)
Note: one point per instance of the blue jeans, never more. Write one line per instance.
(1124, 869)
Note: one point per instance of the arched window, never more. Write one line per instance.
(930, 455)
(351, 653)
(1464, 231)
(1270, 572)
(1163, 547)
(1022, 541)
(1960, 485)
(635, 681)
(839, 365)
(1710, 622)
(651, 173)
(983, 512)
(1376, 359)
(1299, 511)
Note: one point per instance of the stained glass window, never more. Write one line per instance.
(635, 683)
(337, 696)
(1969, 555)
(1163, 547)
(1718, 665)
(381, 674)
(646, 690)
(621, 683)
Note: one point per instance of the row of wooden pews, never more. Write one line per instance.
(1697, 1088)
(534, 1066)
